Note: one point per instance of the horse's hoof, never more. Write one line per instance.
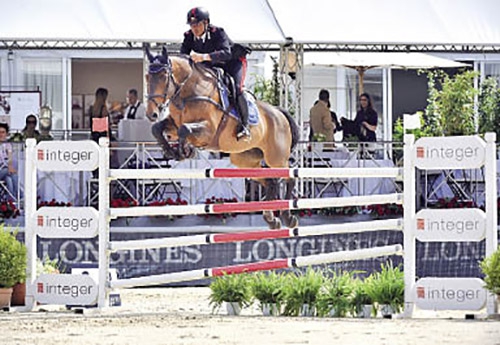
(275, 224)
(294, 222)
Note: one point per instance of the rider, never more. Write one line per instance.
(210, 44)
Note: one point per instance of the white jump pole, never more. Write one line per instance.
(30, 198)
(300, 261)
(104, 223)
(204, 239)
(409, 242)
(490, 187)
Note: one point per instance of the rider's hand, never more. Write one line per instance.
(196, 57)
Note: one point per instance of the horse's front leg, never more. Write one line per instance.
(159, 130)
(191, 135)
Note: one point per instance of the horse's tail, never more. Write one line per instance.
(294, 128)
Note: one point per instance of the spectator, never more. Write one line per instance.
(8, 173)
(101, 124)
(365, 123)
(135, 108)
(321, 119)
(29, 130)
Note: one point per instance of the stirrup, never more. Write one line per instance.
(243, 133)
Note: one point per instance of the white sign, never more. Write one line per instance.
(65, 289)
(450, 225)
(66, 222)
(67, 155)
(460, 152)
(450, 293)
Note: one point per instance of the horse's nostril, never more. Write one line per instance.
(155, 115)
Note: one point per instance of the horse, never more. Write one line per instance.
(197, 119)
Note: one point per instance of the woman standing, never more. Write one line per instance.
(366, 119)
(101, 122)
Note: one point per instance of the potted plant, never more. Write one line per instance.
(12, 264)
(234, 290)
(361, 301)
(335, 294)
(268, 290)
(301, 291)
(386, 288)
(490, 266)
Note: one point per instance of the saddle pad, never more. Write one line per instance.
(253, 111)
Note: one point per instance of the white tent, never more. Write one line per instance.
(135, 21)
(412, 22)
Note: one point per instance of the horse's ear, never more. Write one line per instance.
(145, 45)
(164, 52)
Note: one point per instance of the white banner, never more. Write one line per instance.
(65, 289)
(67, 155)
(66, 222)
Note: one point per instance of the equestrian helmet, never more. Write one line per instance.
(197, 14)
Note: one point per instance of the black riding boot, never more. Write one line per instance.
(243, 130)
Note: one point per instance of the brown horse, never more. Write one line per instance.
(198, 120)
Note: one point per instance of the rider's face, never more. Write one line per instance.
(198, 28)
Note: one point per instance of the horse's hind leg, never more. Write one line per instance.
(252, 159)
(289, 219)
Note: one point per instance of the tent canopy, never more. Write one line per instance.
(340, 25)
(371, 60)
(455, 22)
(136, 21)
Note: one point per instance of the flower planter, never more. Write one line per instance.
(386, 310)
(307, 310)
(233, 308)
(5, 297)
(18, 294)
(365, 312)
(270, 309)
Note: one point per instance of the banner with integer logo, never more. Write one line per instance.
(66, 222)
(65, 289)
(450, 293)
(460, 225)
(67, 155)
(460, 152)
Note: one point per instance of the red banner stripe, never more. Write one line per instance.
(251, 206)
(251, 236)
(253, 267)
(252, 173)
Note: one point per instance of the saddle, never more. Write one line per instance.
(227, 95)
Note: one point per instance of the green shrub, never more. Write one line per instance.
(230, 288)
(490, 266)
(336, 294)
(268, 288)
(387, 286)
(12, 259)
(360, 296)
(300, 289)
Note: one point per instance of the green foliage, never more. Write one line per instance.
(387, 286)
(452, 106)
(12, 259)
(300, 289)
(268, 288)
(360, 296)
(489, 107)
(490, 266)
(425, 129)
(268, 90)
(48, 266)
(336, 294)
(230, 288)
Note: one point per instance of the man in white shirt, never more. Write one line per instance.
(135, 109)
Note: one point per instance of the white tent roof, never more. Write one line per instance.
(396, 60)
(390, 21)
(144, 20)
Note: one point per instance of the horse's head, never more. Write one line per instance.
(160, 83)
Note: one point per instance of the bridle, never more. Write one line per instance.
(158, 66)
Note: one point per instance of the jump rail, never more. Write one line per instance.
(299, 261)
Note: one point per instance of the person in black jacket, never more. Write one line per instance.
(209, 44)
